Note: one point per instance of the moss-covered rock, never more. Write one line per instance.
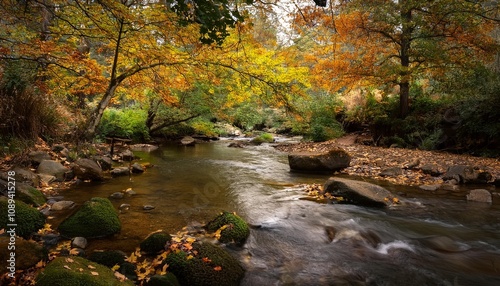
(211, 266)
(163, 280)
(28, 219)
(155, 242)
(96, 218)
(232, 228)
(29, 195)
(128, 269)
(28, 253)
(108, 258)
(77, 271)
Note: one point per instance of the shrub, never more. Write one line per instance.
(127, 123)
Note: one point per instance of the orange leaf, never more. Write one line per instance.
(206, 259)
(217, 268)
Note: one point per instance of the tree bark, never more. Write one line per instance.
(404, 82)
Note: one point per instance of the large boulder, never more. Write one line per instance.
(96, 218)
(333, 160)
(86, 169)
(480, 196)
(104, 162)
(465, 174)
(37, 157)
(28, 253)
(77, 271)
(53, 168)
(211, 265)
(358, 192)
(28, 219)
(29, 195)
(26, 176)
(229, 228)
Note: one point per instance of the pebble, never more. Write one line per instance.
(117, 195)
(79, 242)
(148, 207)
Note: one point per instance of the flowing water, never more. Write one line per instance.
(432, 240)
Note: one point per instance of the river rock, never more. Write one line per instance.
(29, 195)
(104, 162)
(120, 171)
(62, 205)
(465, 174)
(28, 253)
(96, 218)
(45, 179)
(431, 169)
(77, 271)
(148, 207)
(391, 172)
(28, 219)
(334, 160)
(188, 141)
(117, 195)
(26, 176)
(53, 168)
(358, 192)
(37, 157)
(143, 147)
(430, 188)
(479, 195)
(86, 169)
(79, 242)
(137, 168)
(127, 155)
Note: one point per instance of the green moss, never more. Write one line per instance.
(30, 195)
(163, 280)
(128, 269)
(108, 258)
(75, 271)
(96, 218)
(28, 253)
(28, 219)
(155, 242)
(220, 269)
(237, 230)
(263, 138)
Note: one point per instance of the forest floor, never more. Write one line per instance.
(370, 161)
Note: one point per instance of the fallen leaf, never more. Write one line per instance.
(69, 260)
(40, 264)
(217, 268)
(94, 273)
(116, 267)
(206, 260)
(189, 257)
(120, 276)
(90, 266)
(67, 267)
(2, 231)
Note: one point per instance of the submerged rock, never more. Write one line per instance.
(333, 160)
(480, 196)
(358, 192)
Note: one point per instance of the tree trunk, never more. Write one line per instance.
(96, 116)
(404, 82)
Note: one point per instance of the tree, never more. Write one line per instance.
(387, 42)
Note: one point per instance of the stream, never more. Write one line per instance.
(431, 240)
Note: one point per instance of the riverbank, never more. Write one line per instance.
(396, 165)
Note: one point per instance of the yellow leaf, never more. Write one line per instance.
(69, 260)
(80, 269)
(94, 273)
(189, 257)
(190, 239)
(164, 268)
(67, 267)
(40, 264)
(90, 266)
(74, 251)
(116, 267)
(132, 258)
